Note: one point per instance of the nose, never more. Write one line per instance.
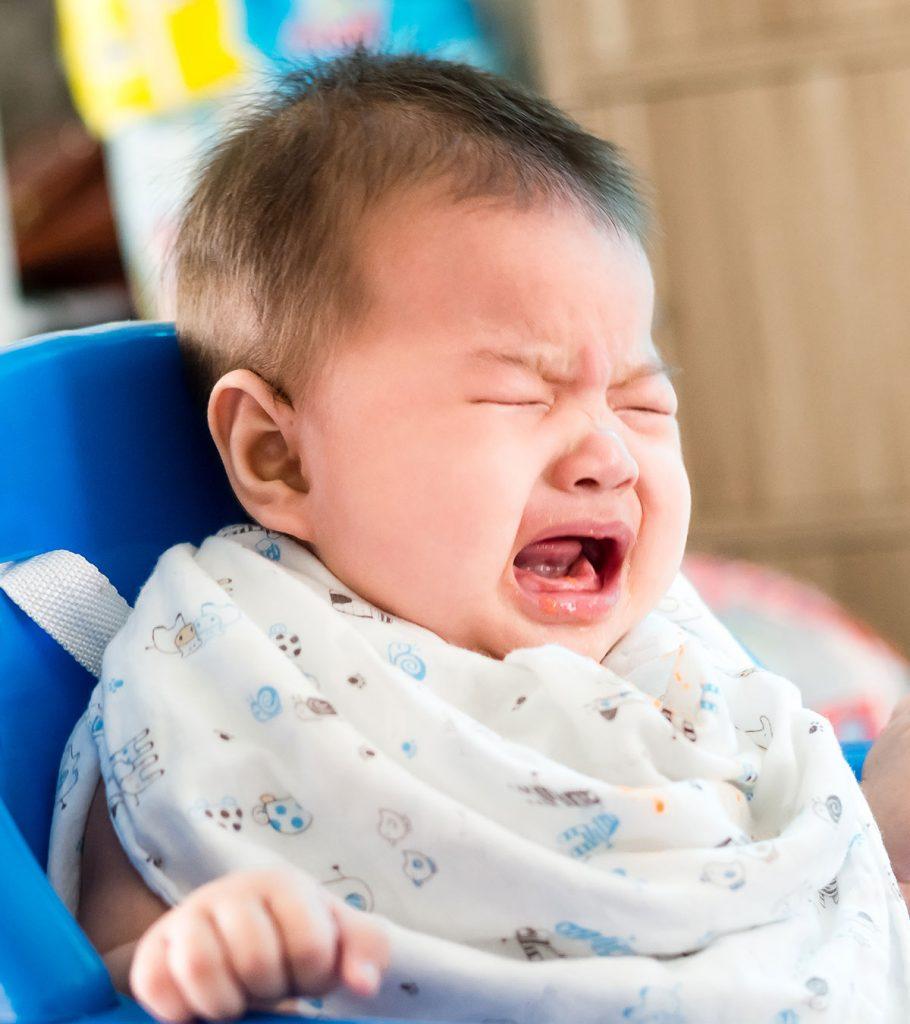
(598, 461)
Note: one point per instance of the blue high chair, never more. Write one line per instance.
(102, 453)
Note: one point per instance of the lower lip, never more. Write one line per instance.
(569, 606)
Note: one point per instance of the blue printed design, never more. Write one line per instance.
(268, 547)
(601, 945)
(266, 704)
(710, 694)
(95, 721)
(213, 619)
(354, 891)
(405, 657)
(608, 707)
(282, 813)
(418, 867)
(819, 991)
(114, 685)
(68, 775)
(656, 1005)
(728, 874)
(582, 840)
(409, 747)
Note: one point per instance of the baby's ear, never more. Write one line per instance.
(254, 430)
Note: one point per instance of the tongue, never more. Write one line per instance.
(549, 558)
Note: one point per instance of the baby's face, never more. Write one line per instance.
(495, 455)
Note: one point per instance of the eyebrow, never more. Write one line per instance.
(542, 364)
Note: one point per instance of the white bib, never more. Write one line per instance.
(668, 836)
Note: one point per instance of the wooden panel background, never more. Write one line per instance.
(776, 136)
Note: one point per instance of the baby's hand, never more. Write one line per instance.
(254, 935)
(886, 784)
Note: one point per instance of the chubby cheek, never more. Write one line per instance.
(418, 522)
(665, 497)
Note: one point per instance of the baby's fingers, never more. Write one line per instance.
(309, 937)
(250, 936)
(364, 949)
(151, 982)
(199, 966)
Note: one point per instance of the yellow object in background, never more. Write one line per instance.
(198, 33)
(126, 59)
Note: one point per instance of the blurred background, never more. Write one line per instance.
(775, 135)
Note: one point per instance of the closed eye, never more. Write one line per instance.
(519, 404)
(649, 396)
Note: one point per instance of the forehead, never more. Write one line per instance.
(444, 277)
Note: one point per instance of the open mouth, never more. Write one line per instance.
(564, 563)
(571, 562)
(573, 576)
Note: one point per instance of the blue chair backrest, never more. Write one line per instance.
(104, 453)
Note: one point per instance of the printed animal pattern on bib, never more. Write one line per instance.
(599, 944)
(287, 642)
(186, 635)
(224, 813)
(133, 768)
(393, 827)
(730, 874)
(405, 656)
(537, 945)
(585, 839)
(265, 704)
(313, 709)
(284, 814)
(547, 837)
(353, 891)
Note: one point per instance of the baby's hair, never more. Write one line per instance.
(265, 259)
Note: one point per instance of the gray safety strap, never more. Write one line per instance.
(70, 599)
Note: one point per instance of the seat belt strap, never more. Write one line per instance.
(70, 599)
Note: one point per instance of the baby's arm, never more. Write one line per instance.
(115, 905)
(886, 785)
(248, 936)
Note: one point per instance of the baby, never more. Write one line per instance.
(418, 304)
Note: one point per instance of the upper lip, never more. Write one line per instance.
(598, 529)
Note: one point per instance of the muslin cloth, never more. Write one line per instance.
(667, 836)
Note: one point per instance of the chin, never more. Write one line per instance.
(592, 641)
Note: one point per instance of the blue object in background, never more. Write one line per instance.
(291, 32)
(446, 29)
(855, 752)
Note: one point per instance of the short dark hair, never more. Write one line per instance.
(264, 259)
